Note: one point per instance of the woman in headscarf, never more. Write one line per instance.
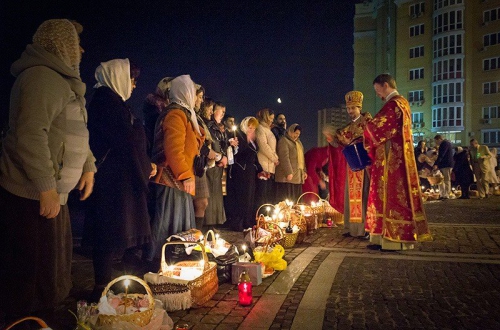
(117, 218)
(45, 155)
(242, 178)
(215, 213)
(155, 104)
(178, 139)
(268, 158)
(290, 172)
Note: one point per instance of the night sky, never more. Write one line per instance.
(245, 53)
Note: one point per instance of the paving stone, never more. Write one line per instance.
(213, 319)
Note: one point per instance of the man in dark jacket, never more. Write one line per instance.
(444, 163)
(279, 126)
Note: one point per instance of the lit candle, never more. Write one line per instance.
(127, 283)
(234, 130)
(268, 209)
(245, 290)
(244, 248)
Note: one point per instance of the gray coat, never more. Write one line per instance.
(47, 145)
(288, 161)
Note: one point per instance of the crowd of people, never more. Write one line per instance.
(185, 165)
(474, 166)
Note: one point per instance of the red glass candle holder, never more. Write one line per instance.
(245, 290)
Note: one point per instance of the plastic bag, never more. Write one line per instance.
(272, 258)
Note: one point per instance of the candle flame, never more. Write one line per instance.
(127, 283)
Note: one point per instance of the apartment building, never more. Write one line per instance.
(445, 56)
(335, 116)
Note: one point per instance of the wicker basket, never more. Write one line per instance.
(276, 236)
(203, 287)
(435, 180)
(298, 219)
(140, 318)
(473, 191)
(458, 191)
(289, 239)
(40, 322)
(323, 209)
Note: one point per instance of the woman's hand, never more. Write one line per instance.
(233, 142)
(49, 203)
(154, 169)
(289, 177)
(211, 154)
(86, 185)
(222, 162)
(189, 185)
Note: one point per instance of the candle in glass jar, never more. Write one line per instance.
(245, 290)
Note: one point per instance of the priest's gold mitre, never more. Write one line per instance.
(354, 98)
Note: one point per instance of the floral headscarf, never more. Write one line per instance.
(60, 37)
(115, 74)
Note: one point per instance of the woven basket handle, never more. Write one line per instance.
(210, 233)
(306, 193)
(257, 213)
(133, 278)
(41, 323)
(164, 265)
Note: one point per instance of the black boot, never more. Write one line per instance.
(199, 222)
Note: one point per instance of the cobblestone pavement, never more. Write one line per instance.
(413, 294)
(450, 283)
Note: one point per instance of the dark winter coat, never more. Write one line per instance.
(117, 216)
(463, 172)
(445, 155)
(241, 184)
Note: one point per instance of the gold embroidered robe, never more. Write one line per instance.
(395, 209)
(354, 181)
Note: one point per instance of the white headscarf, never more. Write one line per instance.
(244, 124)
(183, 92)
(115, 74)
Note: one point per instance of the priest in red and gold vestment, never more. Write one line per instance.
(357, 183)
(395, 215)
